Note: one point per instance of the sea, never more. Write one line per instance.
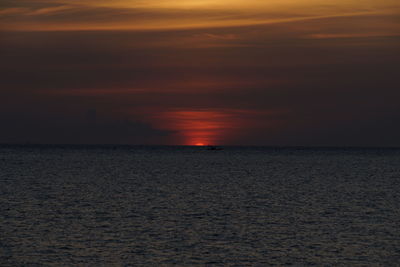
(190, 206)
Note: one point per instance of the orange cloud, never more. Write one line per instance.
(166, 14)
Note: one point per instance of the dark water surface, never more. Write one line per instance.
(137, 206)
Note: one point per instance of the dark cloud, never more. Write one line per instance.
(33, 126)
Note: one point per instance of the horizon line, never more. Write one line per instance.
(227, 146)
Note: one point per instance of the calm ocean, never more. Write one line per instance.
(150, 206)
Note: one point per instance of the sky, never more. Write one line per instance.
(218, 72)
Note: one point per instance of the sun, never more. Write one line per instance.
(199, 144)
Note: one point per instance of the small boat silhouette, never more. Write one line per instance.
(214, 148)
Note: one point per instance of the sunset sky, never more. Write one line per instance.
(238, 72)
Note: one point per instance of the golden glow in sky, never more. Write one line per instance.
(167, 14)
